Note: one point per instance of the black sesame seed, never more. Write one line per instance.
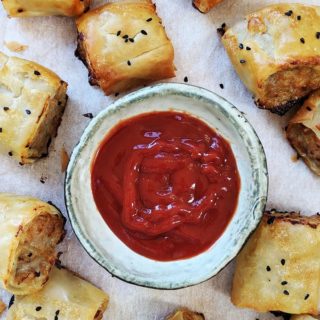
(185, 79)
(10, 153)
(283, 262)
(118, 33)
(0, 130)
(271, 220)
(127, 40)
(88, 115)
(241, 46)
(222, 30)
(268, 268)
(221, 85)
(144, 32)
(242, 61)
(302, 40)
(6, 108)
(116, 94)
(248, 48)
(129, 63)
(306, 296)
(284, 283)
(318, 35)
(309, 109)
(11, 302)
(37, 73)
(148, 20)
(289, 13)
(38, 308)
(57, 314)
(28, 111)
(37, 274)
(125, 36)
(286, 292)
(299, 18)
(20, 10)
(131, 39)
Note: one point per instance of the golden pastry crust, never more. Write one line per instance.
(32, 100)
(279, 267)
(303, 132)
(32, 8)
(29, 232)
(205, 6)
(124, 45)
(2, 307)
(185, 314)
(66, 296)
(276, 53)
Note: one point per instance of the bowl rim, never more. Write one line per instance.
(145, 93)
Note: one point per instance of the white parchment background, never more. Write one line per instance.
(200, 56)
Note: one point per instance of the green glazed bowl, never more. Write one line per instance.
(110, 252)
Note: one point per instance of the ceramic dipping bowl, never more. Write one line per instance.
(103, 245)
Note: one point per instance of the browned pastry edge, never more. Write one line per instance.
(291, 217)
(80, 53)
(195, 2)
(2, 307)
(186, 313)
(284, 108)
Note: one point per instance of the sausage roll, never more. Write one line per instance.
(65, 297)
(32, 8)
(32, 101)
(29, 232)
(276, 52)
(303, 132)
(279, 267)
(185, 314)
(205, 6)
(124, 45)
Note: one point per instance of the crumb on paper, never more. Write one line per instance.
(64, 159)
(43, 179)
(295, 157)
(15, 46)
(2, 307)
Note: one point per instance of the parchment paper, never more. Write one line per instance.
(200, 56)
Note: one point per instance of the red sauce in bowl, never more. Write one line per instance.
(166, 184)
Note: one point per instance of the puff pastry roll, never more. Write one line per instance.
(276, 53)
(32, 8)
(32, 101)
(205, 6)
(65, 297)
(29, 232)
(303, 132)
(279, 267)
(185, 314)
(124, 45)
